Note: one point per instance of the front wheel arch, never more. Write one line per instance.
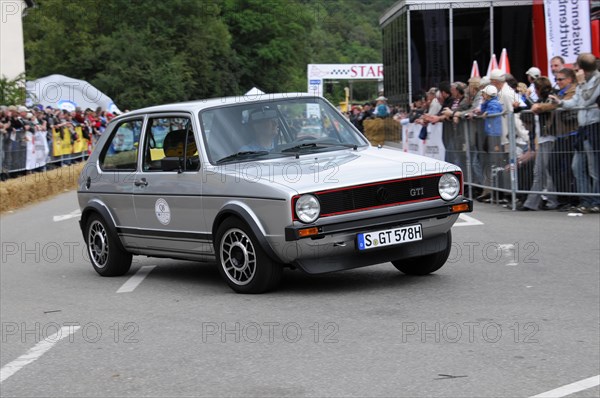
(242, 214)
(241, 261)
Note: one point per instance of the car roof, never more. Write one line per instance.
(198, 105)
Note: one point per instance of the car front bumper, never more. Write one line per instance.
(334, 248)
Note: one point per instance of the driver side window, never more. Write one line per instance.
(170, 145)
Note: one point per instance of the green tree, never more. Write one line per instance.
(12, 91)
(268, 41)
(137, 73)
(141, 53)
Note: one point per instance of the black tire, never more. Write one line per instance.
(241, 260)
(106, 255)
(425, 264)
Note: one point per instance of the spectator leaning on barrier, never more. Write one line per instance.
(417, 109)
(475, 129)
(433, 104)
(545, 135)
(532, 74)
(556, 63)
(491, 141)
(506, 96)
(493, 125)
(587, 150)
(565, 124)
(450, 137)
(474, 93)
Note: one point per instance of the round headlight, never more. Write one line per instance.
(308, 208)
(449, 186)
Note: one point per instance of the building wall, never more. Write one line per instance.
(12, 53)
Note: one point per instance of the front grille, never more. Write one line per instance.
(379, 194)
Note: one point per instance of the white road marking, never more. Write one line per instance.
(34, 353)
(572, 388)
(63, 217)
(467, 221)
(136, 279)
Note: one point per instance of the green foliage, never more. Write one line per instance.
(143, 53)
(12, 91)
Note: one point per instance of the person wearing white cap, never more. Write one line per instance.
(532, 74)
(507, 98)
(381, 111)
(493, 134)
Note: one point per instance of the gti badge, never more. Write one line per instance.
(416, 191)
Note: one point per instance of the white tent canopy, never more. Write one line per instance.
(63, 92)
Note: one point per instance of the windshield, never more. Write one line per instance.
(275, 128)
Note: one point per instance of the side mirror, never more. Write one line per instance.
(172, 163)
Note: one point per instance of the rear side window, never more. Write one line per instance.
(122, 147)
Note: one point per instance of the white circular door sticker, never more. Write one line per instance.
(163, 212)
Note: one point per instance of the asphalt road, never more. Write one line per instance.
(514, 313)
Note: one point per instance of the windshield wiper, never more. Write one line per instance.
(311, 145)
(243, 155)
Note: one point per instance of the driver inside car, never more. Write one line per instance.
(264, 128)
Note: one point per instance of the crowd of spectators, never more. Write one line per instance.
(556, 121)
(28, 131)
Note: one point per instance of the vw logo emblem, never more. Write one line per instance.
(382, 194)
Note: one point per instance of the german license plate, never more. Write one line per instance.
(388, 237)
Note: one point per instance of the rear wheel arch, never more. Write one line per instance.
(97, 208)
(104, 249)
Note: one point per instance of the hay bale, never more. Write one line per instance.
(20, 192)
(379, 130)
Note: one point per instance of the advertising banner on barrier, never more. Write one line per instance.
(432, 147)
(567, 29)
(41, 149)
(56, 143)
(67, 144)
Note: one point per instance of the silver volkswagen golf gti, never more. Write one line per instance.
(257, 184)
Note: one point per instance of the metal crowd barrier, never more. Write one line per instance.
(510, 168)
(64, 147)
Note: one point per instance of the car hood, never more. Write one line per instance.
(336, 169)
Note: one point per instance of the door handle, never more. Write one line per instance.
(139, 183)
